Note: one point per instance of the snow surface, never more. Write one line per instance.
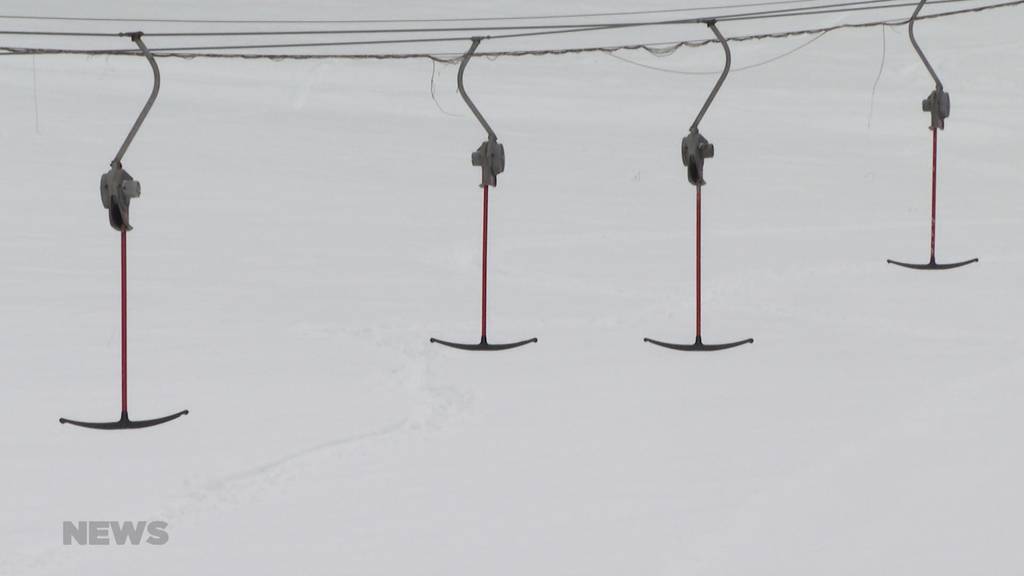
(305, 227)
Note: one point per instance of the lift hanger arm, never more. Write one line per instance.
(913, 17)
(721, 79)
(462, 89)
(137, 38)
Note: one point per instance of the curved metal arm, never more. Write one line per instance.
(462, 90)
(137, 38)
(913, 17)
(721, 79)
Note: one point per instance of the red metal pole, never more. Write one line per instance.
(698, 261)
(124, 321)
(935, 155)
(483, 282)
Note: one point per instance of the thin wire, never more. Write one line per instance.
(595, 26)
(389, 30)
(404, 20)
(656, 48)
(35, 92)
(433, 92)
(847, 6)
(59, 33)
(299, 45)
(536, 30)
(715, 72)
(832, 8)
(874, 87)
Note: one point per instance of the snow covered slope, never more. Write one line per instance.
(305, 227)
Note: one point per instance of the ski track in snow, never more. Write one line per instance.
(431, 408)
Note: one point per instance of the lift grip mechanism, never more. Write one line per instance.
(937, 103)
(117, 187)
(695, 147)
(490, 156)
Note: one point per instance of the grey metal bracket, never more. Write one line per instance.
(695, 147)
(490, 156)
(117, 187)
(937, 103)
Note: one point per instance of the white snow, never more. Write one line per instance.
(305, 227)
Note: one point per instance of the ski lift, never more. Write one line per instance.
(937, 105)
(117, 188)
(695, 150)
(490, 157)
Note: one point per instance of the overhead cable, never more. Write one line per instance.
(524, 30)
(401, 20)
(448, 57)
